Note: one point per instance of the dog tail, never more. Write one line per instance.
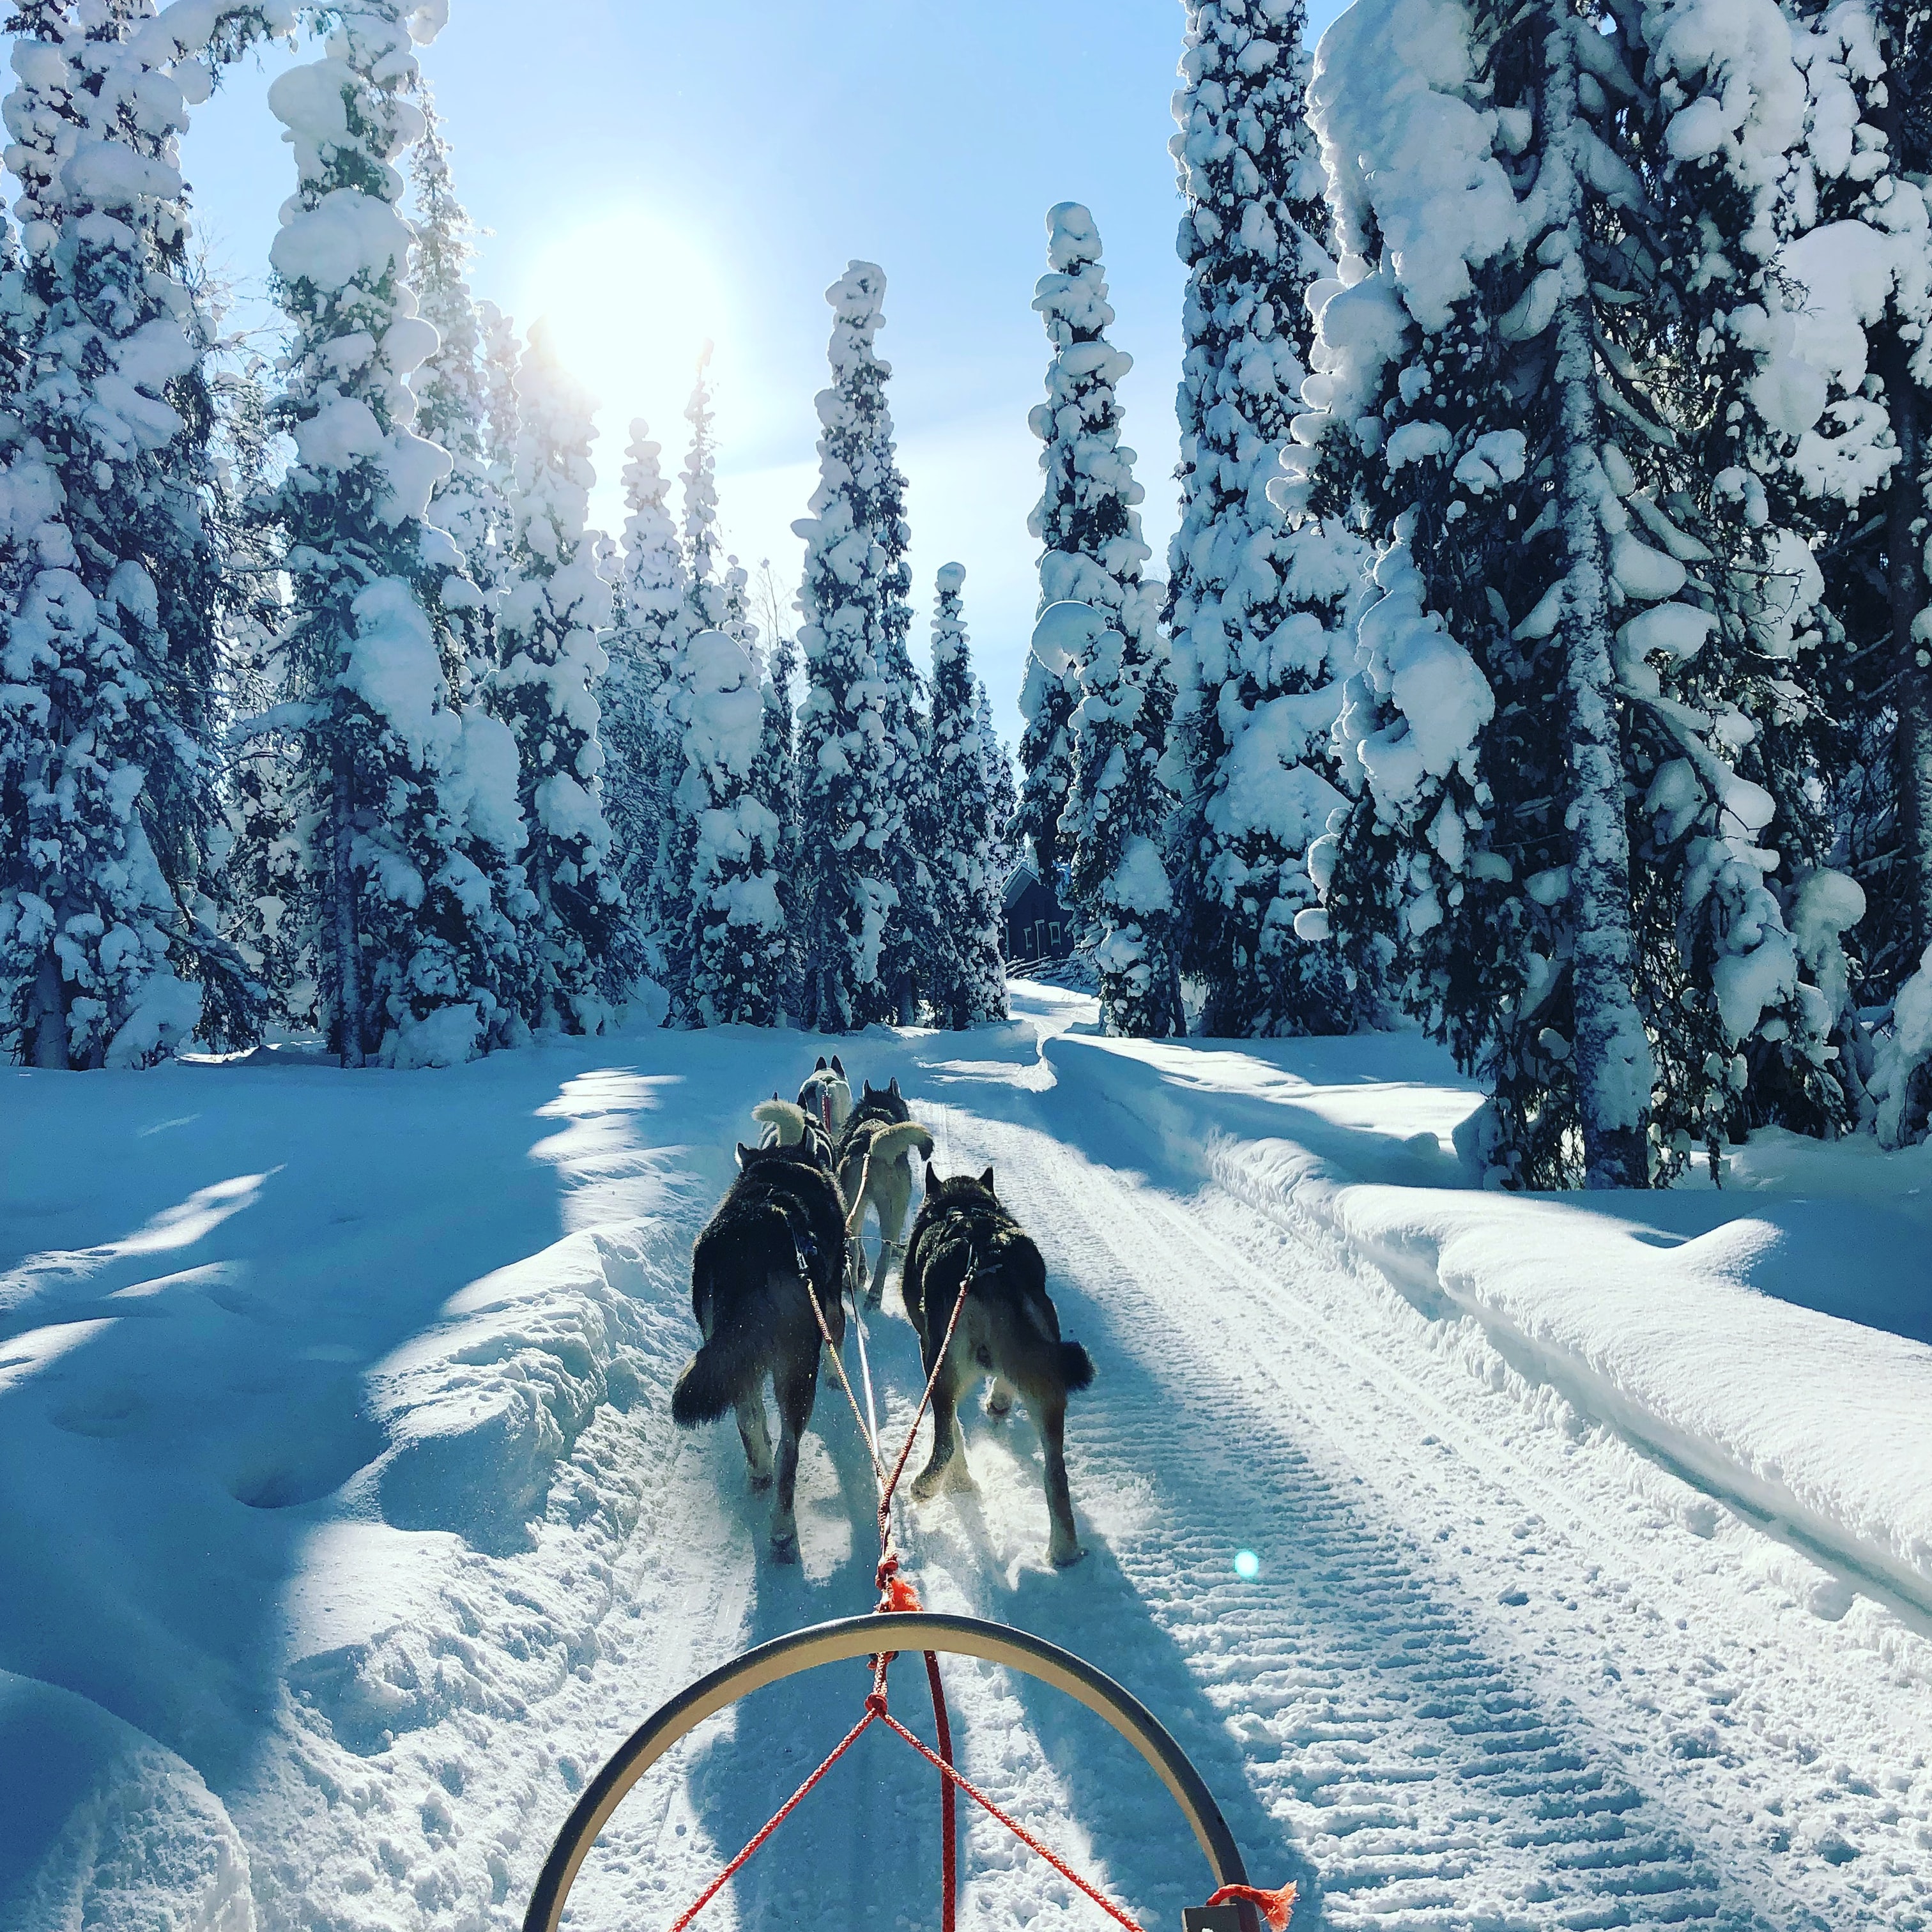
(888, 1144)
(789, 1119)
(1076, 1367)
(714, 1378)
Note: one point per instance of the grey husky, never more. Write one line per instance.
(873, 1161)
(781, 1223)
(1008, 1329)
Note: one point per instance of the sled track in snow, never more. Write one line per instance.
(1419, 1767)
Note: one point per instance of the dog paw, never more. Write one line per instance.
(998, 1411)
(1064, 1555)
(925, 1485)
(761, 1480)
(784, 1547)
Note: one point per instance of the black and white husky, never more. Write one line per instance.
(826, 1096)
(873, 1161)
(1009, 1329)
(781, 1223)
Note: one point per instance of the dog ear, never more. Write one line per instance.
(744, 1156)
(931, 1178)
(986, 1180)
(837, 1065)
(892, 1088)
(820, 1067)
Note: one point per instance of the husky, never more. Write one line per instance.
(873, 1162)
(780, 1224)
(826, 1096)
(788, 1125)
(1009, 1329)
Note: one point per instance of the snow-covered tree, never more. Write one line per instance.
(850, 817)
(735, 944)
(1003, 797)
(1856, 298)
(1263, 617)
(1088, 518)
(452, 396)
(1117, 816)
(1546, 375)
(642, 746)
(421, 951)
(501, 355)
(704, 575)
(110, 589)
(553, 602)
(968, 981)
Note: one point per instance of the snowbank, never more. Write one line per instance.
(1744, 1336)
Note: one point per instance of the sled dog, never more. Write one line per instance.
(788, 1125)
(780, 1221)
(826, 1096)
(1009, 1329)
(873, 1161)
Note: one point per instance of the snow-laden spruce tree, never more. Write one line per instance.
(452, 396)
(735, 947)
(421, 952)
(968, 981)
(110, 575)
(501, 354)
(1545, 376)
(642, 746)
(1263, 616)
(1115, 819)
(851, 816)
(1087, 520)
(704, 574)
(1856, 298)
(552, 604)
(1003, 797)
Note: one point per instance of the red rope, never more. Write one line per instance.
(783, 1812)
(953, 1777)
(949, 1820)
(1275, 1905)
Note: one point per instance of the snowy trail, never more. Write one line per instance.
(1500, 1667)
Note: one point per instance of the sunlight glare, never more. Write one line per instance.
(630, 303)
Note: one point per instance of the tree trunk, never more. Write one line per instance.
(1612, 1055)
(49, 1015)
(1908, 595)
(342, 888)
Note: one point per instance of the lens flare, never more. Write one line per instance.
(1247, 1565)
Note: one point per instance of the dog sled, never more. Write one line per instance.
(899, 1623)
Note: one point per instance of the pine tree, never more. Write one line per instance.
(110, 575)
(642, 751)
(1003, 798)
(1263, 617)
(704, 577)
(968, 983)
(1857, 290)
(1087, 517)
(452, 397)
(849, 817)
(552, 603)
(1577, 740)
(1110, 821)
(736, 943)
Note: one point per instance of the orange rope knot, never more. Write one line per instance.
(1275, 1905)
(875, 1703)
(900, 1594)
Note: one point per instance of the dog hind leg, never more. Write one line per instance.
(796, 1386)
(946, 1467)
(1064, 1546)
(755, 1432)
(892, 1195)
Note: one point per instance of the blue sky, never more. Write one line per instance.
(652, 174)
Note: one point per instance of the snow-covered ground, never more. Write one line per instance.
(343, 1531)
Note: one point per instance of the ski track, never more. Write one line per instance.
(1499, 1669)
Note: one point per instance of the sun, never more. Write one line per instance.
(630, 303)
